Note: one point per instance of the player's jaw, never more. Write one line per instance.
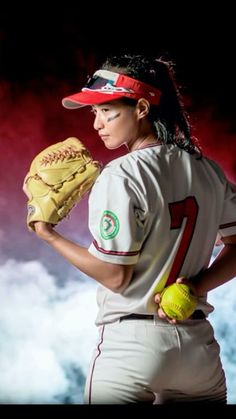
(115, 122)
(111, 142)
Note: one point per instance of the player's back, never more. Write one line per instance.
(186, 204)
(179, 201)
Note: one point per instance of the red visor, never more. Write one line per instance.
(106, 86)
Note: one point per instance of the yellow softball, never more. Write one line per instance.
(178, 302)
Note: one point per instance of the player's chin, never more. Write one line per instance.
(110, 142)
(112, 145)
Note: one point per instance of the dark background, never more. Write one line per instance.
(68, 42)
(46, 54)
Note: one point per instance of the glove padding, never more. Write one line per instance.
(58, 178)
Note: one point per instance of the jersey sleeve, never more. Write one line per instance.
(228, 218)
(116, 220)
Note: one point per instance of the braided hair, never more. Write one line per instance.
(170, 120)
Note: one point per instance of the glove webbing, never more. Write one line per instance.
(67, 153)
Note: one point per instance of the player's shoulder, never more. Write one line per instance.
(215, 167)
(133, 161)
(121, 166)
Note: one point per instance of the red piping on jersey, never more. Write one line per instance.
(95, 359)
(114, 252)
(228, 225)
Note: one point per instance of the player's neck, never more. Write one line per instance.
(143, 142)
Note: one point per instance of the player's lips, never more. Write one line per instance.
(103, 137)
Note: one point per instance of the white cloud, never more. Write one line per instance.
(223, 321)
(47, 335)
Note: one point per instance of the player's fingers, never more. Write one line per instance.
(172, 321)
(157, 298)
(181, 280)
(161, 313)
(163, 316)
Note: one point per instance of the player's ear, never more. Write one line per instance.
(142, 108)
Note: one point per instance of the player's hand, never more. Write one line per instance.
(160, 312)
(157, 299)
(183, 280)
(44, 230)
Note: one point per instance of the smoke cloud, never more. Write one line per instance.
(47, 334)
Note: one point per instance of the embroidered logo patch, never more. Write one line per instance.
(109, 225)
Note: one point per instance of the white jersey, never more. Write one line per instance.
(160, 209)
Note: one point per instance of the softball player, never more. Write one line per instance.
(154, 215)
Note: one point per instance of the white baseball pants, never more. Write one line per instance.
(155, 362)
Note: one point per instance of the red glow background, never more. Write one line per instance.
(36, 75)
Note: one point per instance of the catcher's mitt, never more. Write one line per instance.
(58, 178)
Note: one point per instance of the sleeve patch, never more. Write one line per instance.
(109, 225)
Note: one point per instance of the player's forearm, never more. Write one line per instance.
(222, 270)
(114, 277)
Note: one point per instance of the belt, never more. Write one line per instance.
(197, 315)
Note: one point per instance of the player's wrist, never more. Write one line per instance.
(45, 231)
(197, 290)
(195, 285)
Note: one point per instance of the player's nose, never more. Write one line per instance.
(98, 122)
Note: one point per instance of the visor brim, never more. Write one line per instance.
(87, 98)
